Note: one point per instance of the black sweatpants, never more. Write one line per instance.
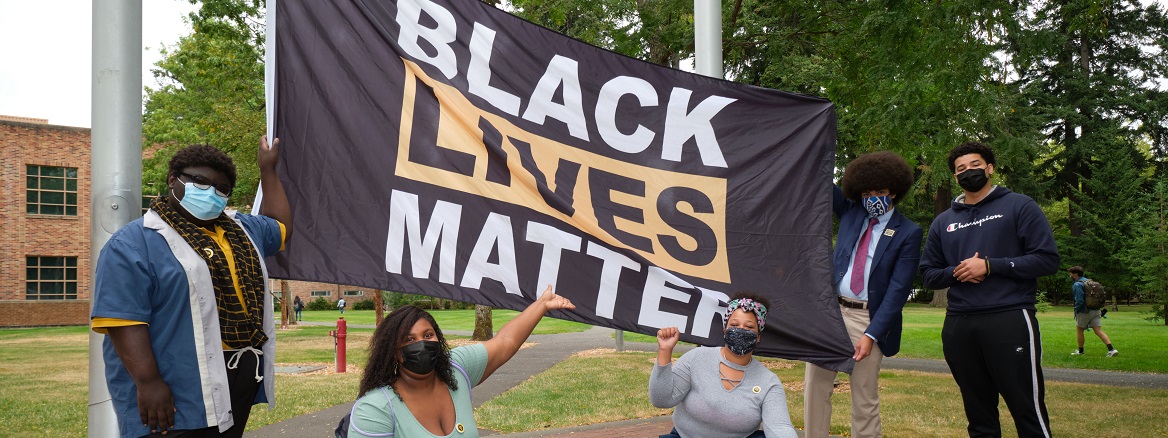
(998, 354)
(244, 388)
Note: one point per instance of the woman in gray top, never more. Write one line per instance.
(722, 391)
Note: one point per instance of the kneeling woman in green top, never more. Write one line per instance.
(416, 386)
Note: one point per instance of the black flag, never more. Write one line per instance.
(447, 148)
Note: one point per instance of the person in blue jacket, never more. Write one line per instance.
(876, 254)
(1085, 317)
(988, 249)
(182, 295)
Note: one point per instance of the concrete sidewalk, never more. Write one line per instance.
(552, 349)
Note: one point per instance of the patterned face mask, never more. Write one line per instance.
(741, 341)
(877, 205)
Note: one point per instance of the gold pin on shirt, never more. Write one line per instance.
(460, 428)
(209, 251)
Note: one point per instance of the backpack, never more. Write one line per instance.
(1094, 297)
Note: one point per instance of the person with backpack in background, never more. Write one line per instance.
(341, 305)
(1089, 302)
(298, 306)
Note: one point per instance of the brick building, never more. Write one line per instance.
(44, 246)
(44, 219)
(310, 291)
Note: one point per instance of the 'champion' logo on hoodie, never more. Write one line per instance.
(956, 226)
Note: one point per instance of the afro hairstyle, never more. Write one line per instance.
(877, 171)
(970, 147)
(202, 155)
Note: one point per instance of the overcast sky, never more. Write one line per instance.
(45, 59)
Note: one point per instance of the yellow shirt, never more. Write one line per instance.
(102, 325)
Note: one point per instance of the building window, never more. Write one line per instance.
(320, 293)
(51, 278)
(354, 293)
(52, 190)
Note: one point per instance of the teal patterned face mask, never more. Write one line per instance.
(877, 205)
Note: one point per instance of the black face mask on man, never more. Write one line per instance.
(421, 357)
(972, 180)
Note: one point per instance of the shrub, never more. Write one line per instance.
(922, 295)
(321, 304)
(363, 305)
(1042, 304)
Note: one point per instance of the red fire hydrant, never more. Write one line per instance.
(339, 343)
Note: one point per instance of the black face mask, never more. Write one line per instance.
(740, 341)
(421, 357)
(972, 180)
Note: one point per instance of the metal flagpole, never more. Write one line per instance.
(708, 38)
(115, 163)
(707, 60)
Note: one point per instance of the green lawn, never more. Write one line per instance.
(1141, 343)
(913, 404)
(44, 380)
(451, 320)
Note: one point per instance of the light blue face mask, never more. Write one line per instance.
(877, 205)
(203, 204)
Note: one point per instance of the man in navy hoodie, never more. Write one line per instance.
(989, 249)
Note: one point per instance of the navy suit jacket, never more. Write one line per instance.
(894, 266)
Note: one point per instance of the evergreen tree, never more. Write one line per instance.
(1148, 252)
(1107, 203)
(1086, 67)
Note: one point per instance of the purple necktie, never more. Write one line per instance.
(861, 258)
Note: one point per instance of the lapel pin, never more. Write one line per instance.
(889, 232)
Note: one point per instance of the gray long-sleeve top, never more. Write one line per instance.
(706, 409)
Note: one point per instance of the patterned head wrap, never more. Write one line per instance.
(748, 305)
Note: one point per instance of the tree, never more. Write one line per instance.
(484, 329)
(1148, 252)
(285, 304)
(210, 90)
(1104, 204)
(379, 307)
(1086, 67)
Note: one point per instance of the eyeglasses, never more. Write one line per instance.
(204, 183)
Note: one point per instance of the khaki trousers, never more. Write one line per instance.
(818, 384)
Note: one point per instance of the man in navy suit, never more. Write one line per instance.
(876, 255)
